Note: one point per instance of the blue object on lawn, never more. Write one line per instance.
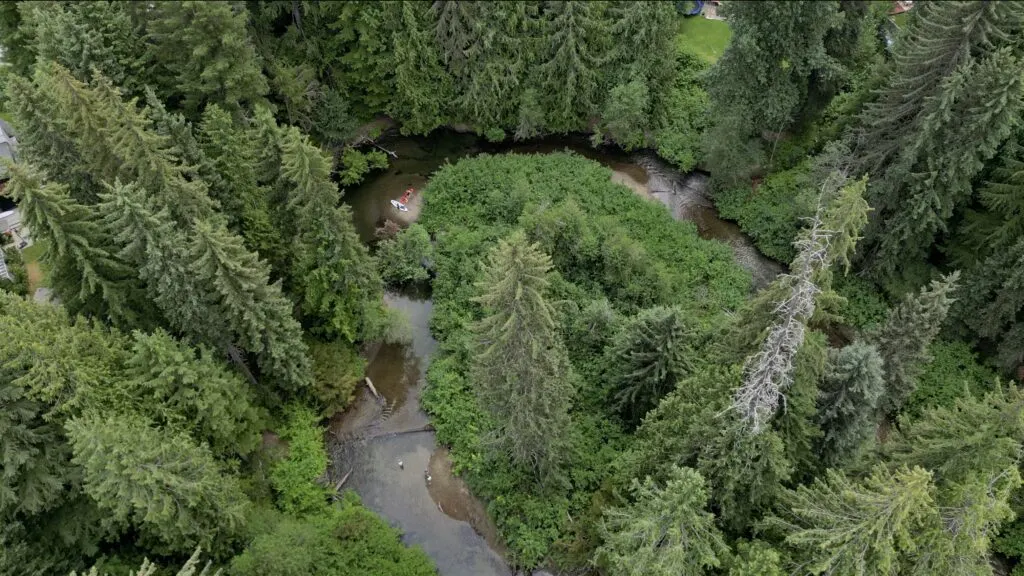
(698, 5)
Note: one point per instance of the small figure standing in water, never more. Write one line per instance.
(401, 465)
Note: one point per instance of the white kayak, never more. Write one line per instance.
(399, 205)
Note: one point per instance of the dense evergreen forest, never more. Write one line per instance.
(607, 381)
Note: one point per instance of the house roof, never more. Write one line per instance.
(8, 146)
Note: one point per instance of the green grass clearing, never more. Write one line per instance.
(705, 38)
(36, 271)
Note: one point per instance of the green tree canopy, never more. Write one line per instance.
(521, 367)
(665, 531)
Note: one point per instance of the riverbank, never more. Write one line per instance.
(385, 451)
(684, 195)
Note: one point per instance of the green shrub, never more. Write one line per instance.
(953, 372)
(295, 477)
(342, 539)
(356, 164)
(337, 370)
(613, 253)
(865, 306)
(407, 257)
(19, 283)
(775, 213)
(682, 120)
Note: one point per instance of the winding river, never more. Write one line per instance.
(382, 445)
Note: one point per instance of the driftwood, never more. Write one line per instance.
(378, 146)
(425, 428)
(369, 384)
(337, 487)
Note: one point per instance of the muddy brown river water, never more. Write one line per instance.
(370, 440)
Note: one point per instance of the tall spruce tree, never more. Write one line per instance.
(256, 311)
(575, 34)
(839, 526)
(90, 36)
(745, 472)
(521, 369)
(762, 79)
(977, 436)
(848, 405)
(991, 250)
(422, 86)
(182, 388)
(904, 338)
(646, 360)
(43, 142)
(947, 105)
(333, 271)
(85, 273)
(149, 240)
(665, 531)
(111, 139)
(162, 483)
(204, 55)
(497, 56)
(229, 164)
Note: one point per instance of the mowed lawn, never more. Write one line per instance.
(705, 38)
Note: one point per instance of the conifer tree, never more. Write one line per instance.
(183, 390)
(574, 34)
(993, 294)
(162, 483)
(90, 36)
(229, 165)
(642, 50)
(646, 360)
(15, 38)
(521, 369)
(977, 436)
(85, 274)
(904, 338)
(113, 139)
(255, 311)
(745, 472)
(204, 55)
(497, 53)
(945, 108)
(665, 531)
(43, 142)
(333, 271)
(797, 425)
(35, 460)
(423, 87)
(762, 79)
(840, 526)
(148, 240)
(454, 31)
(848, 406)
(175, 128)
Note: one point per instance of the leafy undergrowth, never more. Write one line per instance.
(606, 244)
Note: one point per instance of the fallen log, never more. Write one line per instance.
(369, 384)
(425, 428)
